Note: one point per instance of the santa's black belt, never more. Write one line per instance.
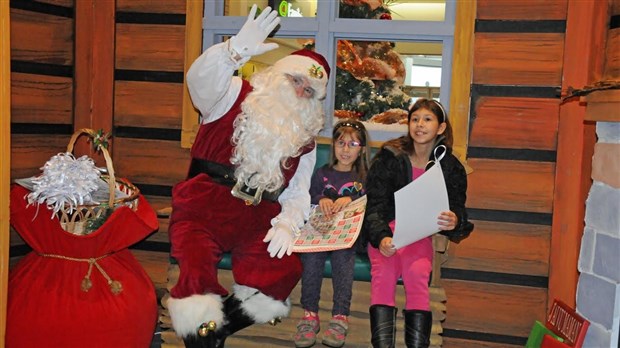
(225, 175)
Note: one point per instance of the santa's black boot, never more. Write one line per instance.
(418, 325)
(382, 326)
(197, 341)
(236, 319)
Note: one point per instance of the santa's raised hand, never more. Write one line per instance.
(250, 39)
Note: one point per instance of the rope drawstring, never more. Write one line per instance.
(115, 286)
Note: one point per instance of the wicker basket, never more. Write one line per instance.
(78, 219)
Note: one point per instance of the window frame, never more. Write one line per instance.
(327, 28)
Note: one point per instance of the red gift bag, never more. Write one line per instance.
(80, 290)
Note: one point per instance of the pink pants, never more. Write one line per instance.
(413, 263)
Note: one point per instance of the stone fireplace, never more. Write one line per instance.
(598, 289)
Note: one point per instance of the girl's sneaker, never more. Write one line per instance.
(336, 332)
(307, 328)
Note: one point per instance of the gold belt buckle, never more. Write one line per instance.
(248, 199)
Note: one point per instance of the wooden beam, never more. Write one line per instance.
(193, 48)
(462, 62)
(94, 68)
(5, 160)
(584, 49)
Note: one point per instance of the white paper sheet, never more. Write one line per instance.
(418, 206)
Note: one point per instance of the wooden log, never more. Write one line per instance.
(493, 308)
(504, 122)
(530, 59)
(140, 160)
(521, 10)
(150, 6)
(41, 38)
(504, 248)
(511, 185)
(151, 47)
(156, 104)
(30, 152)
(41, 99)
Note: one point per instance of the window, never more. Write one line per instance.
(423, 39)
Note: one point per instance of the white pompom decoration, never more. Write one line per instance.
(65, 182)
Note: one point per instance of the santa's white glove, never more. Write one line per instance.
(249, 41)
(281, 239)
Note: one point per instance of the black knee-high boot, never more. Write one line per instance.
(236, 319)
(383, 326)
(418, 326)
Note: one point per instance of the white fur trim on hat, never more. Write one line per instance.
(259, 306)
(189, 313)
(307, 67)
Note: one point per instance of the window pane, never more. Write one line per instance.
(377, 81)
(293, 8)
(412, 10)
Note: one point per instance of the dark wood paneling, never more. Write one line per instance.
(521, 10)
(150, 6)
(493, 308)
(41, 38)
(30, 152)
(157, 105)
(41, 99)
(518, 59)
(511, 185)
(505, 248)
(518, 123)
(149, 161)
(150, 47)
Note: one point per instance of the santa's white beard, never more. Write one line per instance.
(274, 125)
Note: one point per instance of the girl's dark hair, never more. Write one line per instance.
(406, 142)
(351, 126)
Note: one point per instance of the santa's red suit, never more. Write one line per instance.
(207, 220)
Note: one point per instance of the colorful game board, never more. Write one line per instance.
(340, 232)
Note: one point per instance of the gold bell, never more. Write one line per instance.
(275, 321)
(86, 284)
(206, 328)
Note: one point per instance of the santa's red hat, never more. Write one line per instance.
(309, 64)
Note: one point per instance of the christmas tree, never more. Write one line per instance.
(369, 74)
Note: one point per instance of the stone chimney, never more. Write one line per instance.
(598, 290)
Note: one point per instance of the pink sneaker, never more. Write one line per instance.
(307, 328)
(336, 332)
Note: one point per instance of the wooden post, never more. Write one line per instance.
(94, 68)
(193, 48)
(462, 63)
(5, 160)
(584, 48)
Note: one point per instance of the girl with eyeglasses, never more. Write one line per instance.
(398, 162)
(333, 186)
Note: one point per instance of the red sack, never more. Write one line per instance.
(46, 304)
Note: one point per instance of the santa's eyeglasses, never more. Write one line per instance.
(351, 144)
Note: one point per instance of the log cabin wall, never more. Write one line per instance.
(497, 281)
(144, 97)
(523, 143)
(42, 63)
(500, 272)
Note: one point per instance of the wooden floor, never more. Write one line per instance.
(281, 335)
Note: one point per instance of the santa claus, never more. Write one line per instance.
(247, 188)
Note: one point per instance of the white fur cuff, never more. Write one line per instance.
(259, 306)
(188, 313)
